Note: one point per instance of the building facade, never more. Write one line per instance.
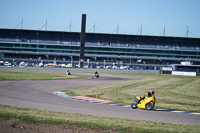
(36, 45)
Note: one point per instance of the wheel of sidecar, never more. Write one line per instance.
(134, 105)
(150, 106)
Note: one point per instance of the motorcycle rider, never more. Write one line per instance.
(68, 72)
(148, 94)
(96, 74)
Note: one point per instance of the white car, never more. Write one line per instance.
(86, 66)
(114, 67)
(124, 67)
(108, 67)
(100, 67)
(121, 67)
(41, 64)
(62, 65)
(22, 64)
(7, 63)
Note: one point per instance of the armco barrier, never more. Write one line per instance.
(180, 73)
(184, 73)
(165, 72)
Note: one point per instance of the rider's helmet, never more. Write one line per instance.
(152, 92)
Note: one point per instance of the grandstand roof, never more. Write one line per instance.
(95, 37)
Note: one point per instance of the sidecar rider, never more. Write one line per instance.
(148, 94)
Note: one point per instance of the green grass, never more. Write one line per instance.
(15, 75)
(36, 116)
(172, 92)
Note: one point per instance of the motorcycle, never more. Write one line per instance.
(97, 75)
(68, 72)
(147, 103)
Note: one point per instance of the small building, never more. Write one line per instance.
(185, 68)
(180, 69)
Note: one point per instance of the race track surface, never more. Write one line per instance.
(39, 94)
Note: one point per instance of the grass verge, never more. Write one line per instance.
(16, 75)
(36, 116)
(172, 92)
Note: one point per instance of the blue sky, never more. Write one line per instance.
(153, 15)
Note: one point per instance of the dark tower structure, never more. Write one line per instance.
(82, 40)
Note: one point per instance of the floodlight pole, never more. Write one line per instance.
(164, 31)
(82, 40)
(22, 24)
(187, 32)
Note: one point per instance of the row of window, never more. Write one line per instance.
(105, 54)
(100, 51)
(96, 50)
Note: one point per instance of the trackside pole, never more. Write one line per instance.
(82, 40)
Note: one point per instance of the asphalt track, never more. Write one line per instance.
(39, 94)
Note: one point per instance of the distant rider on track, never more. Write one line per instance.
(96, 74)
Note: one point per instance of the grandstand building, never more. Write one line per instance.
(37, 45)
